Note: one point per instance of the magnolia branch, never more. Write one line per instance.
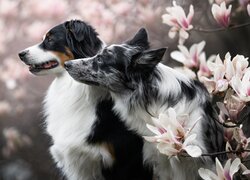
(220, 29)
(220, 153)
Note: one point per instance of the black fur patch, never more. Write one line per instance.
(76, 35)
(127, 145)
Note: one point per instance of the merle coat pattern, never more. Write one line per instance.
(142, 87)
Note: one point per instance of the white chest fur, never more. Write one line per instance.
(70, 113)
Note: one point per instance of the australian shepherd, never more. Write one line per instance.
(142, 87)
(90, 142)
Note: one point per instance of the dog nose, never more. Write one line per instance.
(67, 65)
(22, 54)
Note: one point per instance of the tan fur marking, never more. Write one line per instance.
(64, 56)
(110, 148)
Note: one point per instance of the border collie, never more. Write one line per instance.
(141, 87)
(90, 142)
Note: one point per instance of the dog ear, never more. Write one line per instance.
(82, 39)
(76, 28)
(148, 58)
(140, 39)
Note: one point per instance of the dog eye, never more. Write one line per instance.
(109, 51)
(98, 59)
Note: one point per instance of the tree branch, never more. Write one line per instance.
(198, 29)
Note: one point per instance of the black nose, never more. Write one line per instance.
(22, 54)
(67, 65)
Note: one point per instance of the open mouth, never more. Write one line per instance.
(43, 66)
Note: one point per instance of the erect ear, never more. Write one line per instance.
(140, 39)
(148, 58)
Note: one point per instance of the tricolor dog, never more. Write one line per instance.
(142, 87)
(90, 142)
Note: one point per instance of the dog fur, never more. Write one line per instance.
(90, 142)
(141, 88)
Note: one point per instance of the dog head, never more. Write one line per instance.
(118, 67)
(70, 40)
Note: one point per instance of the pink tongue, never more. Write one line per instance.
(48, 65)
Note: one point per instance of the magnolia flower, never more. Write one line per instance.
(242, 87)
(225, 173)
(217, 83)
(223, 72)
(231, 108)
(170, 135)
(203, 68)
(189, 58)
(248, 9)
(222, 14)
(179, 22)
(14, 141)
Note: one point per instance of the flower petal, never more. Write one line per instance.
(235, 166)
(193, 151)
(206, 174)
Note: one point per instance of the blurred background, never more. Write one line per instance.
(23, 141)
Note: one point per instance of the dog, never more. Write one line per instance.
(142, 87)
(90, 142)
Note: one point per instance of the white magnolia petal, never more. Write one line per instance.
(219, 168)
(193, 151)
(218, 60)
(153, 129)
(206, 174)
(209, 84)
(229, 69)
(183, 34)
(172, 32)
(178, 56)
(222, 85)
(190, 14)
(189, 139)
(184, 50)
(200, 46)
(235, 166)
(248, 9)
(246, 172)
(236, 85)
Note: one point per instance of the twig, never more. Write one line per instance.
(220, 153)
(220, 29)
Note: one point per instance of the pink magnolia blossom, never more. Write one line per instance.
(203, 68)
(223, 72)
(225, 173)
(242, 86)
(189, 58)
(222, 13)
(179, 22)
(170, 135)
(14, 141)
(248, 9)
